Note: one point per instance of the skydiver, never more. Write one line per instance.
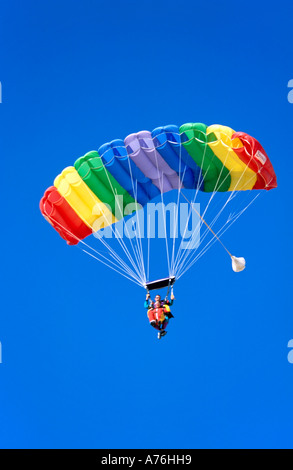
(159, 313)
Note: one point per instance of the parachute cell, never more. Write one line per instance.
(62, 217)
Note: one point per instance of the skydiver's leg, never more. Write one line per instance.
(155, 325)
(165, 323)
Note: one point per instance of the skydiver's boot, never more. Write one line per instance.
(162, 333)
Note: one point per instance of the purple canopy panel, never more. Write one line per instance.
(141, 150)
(147, 143)
(141, 160)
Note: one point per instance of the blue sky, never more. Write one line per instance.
(80, 367)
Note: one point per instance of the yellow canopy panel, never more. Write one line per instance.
(242, 177)
(82, 200)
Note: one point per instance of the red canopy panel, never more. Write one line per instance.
(62, 217)
(255, 157)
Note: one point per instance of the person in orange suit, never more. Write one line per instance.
(159, 313)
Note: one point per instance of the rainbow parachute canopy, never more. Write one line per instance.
(146, 164)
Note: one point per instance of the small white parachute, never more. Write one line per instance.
(238, 264)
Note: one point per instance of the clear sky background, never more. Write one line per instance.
(81, 368)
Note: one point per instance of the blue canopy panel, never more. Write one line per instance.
(167, 141)
(122, 168)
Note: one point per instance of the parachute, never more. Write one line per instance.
(106, 189)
